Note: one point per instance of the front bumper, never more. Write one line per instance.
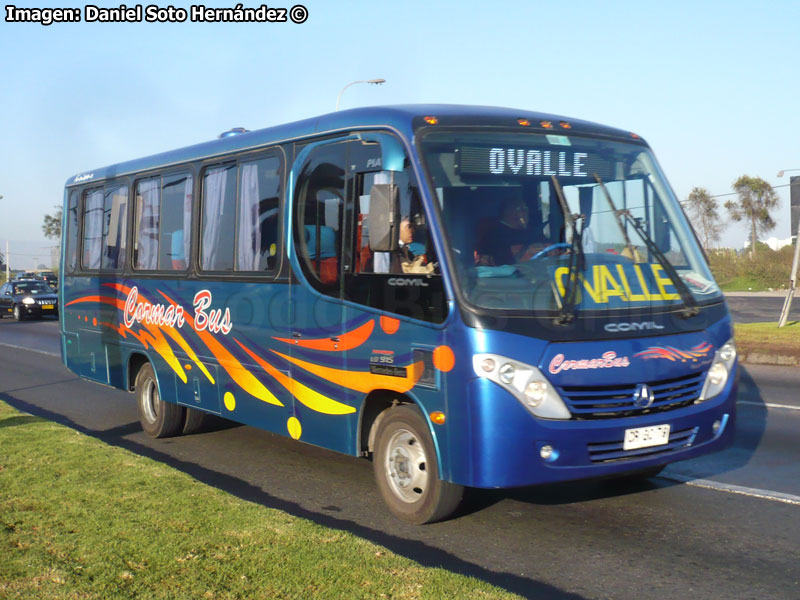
(504, 441)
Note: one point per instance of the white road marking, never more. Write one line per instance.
(30, 349)
(734, 489)
(768, 405)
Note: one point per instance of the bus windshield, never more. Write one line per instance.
(531, 216)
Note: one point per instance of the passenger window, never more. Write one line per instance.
(319, 216)
(176, 222)
(148, 207)
(218, 218)
(163, 223)
(258, 222)
(115, 216)
(92, 229)
(72, 232)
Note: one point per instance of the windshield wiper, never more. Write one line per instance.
(577, 259)
(690, 308)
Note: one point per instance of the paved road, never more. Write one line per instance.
(732, 531)
(756, 309)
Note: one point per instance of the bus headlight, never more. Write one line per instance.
(525, 382)
(721, 369)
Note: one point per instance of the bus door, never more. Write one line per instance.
(323, 413)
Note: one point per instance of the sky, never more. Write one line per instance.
(712, 86)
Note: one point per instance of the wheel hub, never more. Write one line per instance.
(406, 465)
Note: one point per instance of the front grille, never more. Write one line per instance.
(603, 452)
(602, 402)
(41, 302)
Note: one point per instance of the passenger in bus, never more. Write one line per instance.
(510, 240)
(408, 258)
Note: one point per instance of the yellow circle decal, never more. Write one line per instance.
(294, 427)
(230, 401)
(273, 249)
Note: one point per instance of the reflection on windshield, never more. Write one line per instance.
(513, 242)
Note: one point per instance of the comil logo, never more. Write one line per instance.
(642, 326)
(400, 282)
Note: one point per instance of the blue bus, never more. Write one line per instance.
(469, 296)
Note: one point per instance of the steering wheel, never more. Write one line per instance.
(550, 248)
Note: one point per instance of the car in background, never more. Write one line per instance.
(25, 298)
(50, 277)
(28, 275)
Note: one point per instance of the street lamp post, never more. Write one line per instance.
(8, 272)
(372, 81)
(787, 304)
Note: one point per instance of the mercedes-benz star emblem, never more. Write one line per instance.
(643, 397)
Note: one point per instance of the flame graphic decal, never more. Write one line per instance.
(347, 341)
(675, 354)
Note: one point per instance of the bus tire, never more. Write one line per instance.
(195, 421)
(406, 469)
(158, 418)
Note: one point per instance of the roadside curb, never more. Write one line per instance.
(762, 358)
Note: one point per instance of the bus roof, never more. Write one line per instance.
(403, 118)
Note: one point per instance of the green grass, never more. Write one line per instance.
(768, 338)
(80, 519)
(743, 284)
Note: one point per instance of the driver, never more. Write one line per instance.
(508, 241)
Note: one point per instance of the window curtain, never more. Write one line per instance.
(249, 245)
(93, 236)
(213, 205)
(381, 261)
(147, 236)
(187, 219)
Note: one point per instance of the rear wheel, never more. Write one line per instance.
(406, 469)
(158, 418)
(195, 421)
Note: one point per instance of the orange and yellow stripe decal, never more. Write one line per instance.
(244, 378)
(361, 381)
(347, 341)
(307, 396)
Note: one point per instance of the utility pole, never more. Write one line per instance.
(8, 260)
(787, 304)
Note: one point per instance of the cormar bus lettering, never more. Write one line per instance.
(615, 327)
(85, 177)
(214, 321)
(608, 360)
(162, 315)
(537, 162)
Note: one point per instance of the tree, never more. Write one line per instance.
(52, 225)
(756, 200)
(704, 211)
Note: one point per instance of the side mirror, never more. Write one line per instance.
(384, 217)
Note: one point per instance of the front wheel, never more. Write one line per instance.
(406, 469)
(18, 315)
(158, 418)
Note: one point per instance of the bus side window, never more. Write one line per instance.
(258, 223)
(92, 229)
(319, 215)
(72, 232)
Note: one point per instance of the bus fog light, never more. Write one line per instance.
(535, 393)
(715, 427)
(488, 365)
(548, 453)
(507, 372)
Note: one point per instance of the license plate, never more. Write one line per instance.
(645, 437)
(47, 306)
